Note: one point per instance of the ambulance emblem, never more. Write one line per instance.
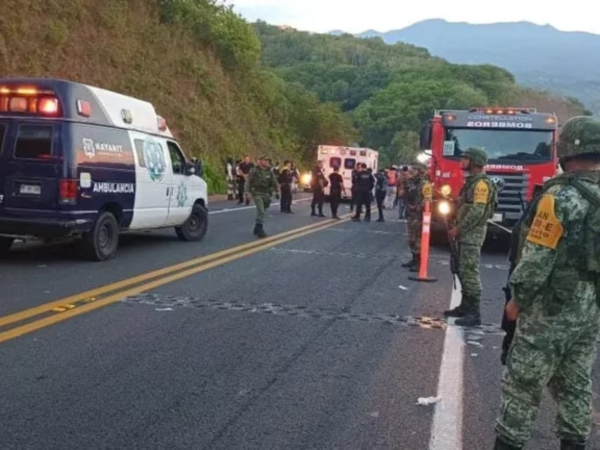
(154, 159)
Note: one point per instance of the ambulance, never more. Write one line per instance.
(80, 162)
(346, 158)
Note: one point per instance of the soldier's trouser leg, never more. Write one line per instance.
(469, 259)
(548, 351)
(262, 203)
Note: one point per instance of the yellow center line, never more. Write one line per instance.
(226, 257)
(106, 289)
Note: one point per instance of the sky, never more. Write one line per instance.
(354, 16)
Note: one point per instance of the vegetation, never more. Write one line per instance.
(196, 60)
(390, 90)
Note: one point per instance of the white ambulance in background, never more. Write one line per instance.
(346, 158)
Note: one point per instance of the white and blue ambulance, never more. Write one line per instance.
(81, 162)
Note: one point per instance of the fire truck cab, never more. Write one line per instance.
(521, 147)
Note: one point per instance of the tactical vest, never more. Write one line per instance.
(586, 260)
(492, 204)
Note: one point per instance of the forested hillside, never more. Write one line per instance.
(196, 60)
(389, 90)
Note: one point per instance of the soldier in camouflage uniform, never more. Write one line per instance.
(476, 205)
(555, 293)
(260, 185)
(413, 197)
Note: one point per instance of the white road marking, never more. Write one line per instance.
(242, 208)
(446, 432)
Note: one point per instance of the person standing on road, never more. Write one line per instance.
(364, 190)
(285, 180)
(402, 180)
(392, 187)
(261, 185)
(243, 171)
(318, 183)
(381, 192)
(413, 196)
(230, 179)
(354, 180)
(476, 205)
(336, 188)
(275, 169)
(556, 293)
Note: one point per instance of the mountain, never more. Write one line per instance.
(539, 56)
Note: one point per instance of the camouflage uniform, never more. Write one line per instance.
(475, 206)
(556, 285)
(413, 193)
(261, 184)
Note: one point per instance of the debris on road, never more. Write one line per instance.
(424, 401)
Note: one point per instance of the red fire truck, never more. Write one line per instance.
(521, 148)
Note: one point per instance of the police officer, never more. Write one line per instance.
(476, 205)
(364, 190)
(260, 186)
(381, 192)
(556, 288)
(354, 180)
(414, 201)
(286, 178)
(318, 183)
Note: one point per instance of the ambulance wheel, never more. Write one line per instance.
(101, 243)
(195, 226)
(5, 245)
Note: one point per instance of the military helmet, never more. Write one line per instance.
(578, 136)
(478, 156)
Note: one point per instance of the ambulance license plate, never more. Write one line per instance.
(29, 189)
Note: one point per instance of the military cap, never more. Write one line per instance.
(579, 136)
(478, 156)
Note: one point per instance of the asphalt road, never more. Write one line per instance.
(312, 340)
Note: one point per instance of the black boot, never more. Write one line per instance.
(261, 232)
(579, 444)
(501, 445)
(256, 228)
(471, 319)
(417, 265)
(410, 263)
(312, 211)
(459, 311)
(321, 213)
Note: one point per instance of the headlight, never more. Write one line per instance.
(423, 158)
(444, 208)
(306, 178)
(445, 190)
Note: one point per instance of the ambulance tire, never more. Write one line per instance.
(101, 243)
(195, 227)
(5, 245)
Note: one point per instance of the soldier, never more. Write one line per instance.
(476, 205)
(556, 289)
(285, 180)
(413, 197)
(260, 186)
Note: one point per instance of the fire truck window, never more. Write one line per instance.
(516, 145)
(349, 163)
(335, 162)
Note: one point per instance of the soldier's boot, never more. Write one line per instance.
(261, 232)
(410, 263)
(459, 311)
(256, 228)
(417, 265)
(572, 445)
(501, 445)
(470, 319)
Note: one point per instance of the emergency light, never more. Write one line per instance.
(28, 100)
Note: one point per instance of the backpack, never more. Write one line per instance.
(591, 239)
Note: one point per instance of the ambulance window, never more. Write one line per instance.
(139, 149)
(34, 142)
(349, 163)
(335, 162)
(177, 158)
